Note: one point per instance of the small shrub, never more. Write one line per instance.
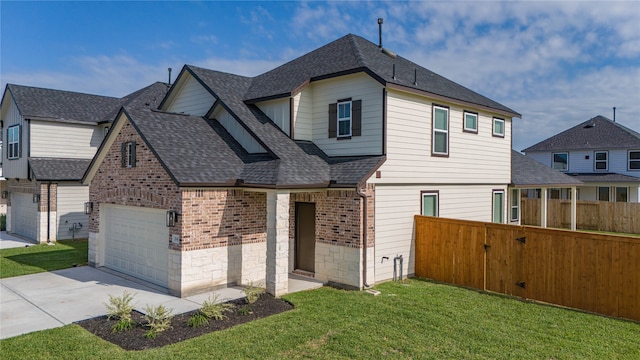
(120, 308)
(212, 309)
(253, 293)
(158, 320)
(245, 311)
(197, 319)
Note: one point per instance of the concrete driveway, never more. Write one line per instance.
(8, 241)
(52, 299)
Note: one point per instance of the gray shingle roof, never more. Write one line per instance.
(353, 53)
(58, 105)
(58, 169)
(527, 171)
(593, 134)
(606, 177)
(66, 106)
(197, 151)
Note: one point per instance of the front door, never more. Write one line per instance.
(305, 236)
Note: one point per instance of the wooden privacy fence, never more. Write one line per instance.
(621, 217)
(592, 272)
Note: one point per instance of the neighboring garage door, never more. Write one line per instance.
(24, 215)
(70, 210)
(136, 242)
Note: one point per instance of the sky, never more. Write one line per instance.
(558, 63)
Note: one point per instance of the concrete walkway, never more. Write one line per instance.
(52, 299)
(8, 241)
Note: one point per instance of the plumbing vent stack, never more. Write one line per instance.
(614, 114)
(169, 76)
(394, 71)
(380, 32)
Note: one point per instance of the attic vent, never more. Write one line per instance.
(589, 126)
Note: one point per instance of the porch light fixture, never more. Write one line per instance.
(88, 207)
(172, 217)
(36, 198)
(5, 194)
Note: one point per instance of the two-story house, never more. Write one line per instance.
(314, 168)
(50, 137)
(601, 153)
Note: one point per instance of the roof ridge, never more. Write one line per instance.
(61, 91)
(356, 50)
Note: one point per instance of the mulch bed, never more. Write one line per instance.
(134, 339)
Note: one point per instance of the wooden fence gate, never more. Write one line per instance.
(593, 272)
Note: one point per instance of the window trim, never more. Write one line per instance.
(493, 127)
(596, 161)
(634, 160)
(515, 195)
(435, 193)
(493, 200)
(350, 119)
(433, 130)
(553, 155)
(12, 153)
(464, 122)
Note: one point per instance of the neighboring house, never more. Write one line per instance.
(51, 136)
(314, 168)
(531, 175)
(601, 153)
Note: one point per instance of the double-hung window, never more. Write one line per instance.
(470, 122)
(344, 119)
(601, 160)
(13, 142)
(440, 136)
(498, 206)
(515, 204)
(560, 161)
(430, 203)
(622, 194)
(603, 193)
(634, 159)
(498, 127)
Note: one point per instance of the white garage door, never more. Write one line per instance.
(24, 215)
(70, 210)
(137, 242)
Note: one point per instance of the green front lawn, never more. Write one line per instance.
(417, 319)
(42, 257)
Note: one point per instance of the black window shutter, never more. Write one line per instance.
(123, 154)
(356, 118)
(133, 154)
(19, 141)
(333, 120)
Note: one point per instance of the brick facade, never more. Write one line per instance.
(216, 218)
(147, 184)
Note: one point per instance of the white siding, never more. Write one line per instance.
(238, 132)
(303, 109)
(15, 168)
(62, 140)
(278, 112)
(190, 97)
(357, 87)
(473, 158)
(70, 210)
(396, 205)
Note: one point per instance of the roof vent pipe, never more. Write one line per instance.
(614, 114)
(380, 32)
(415, 76)
(169, 76)
(394, 71)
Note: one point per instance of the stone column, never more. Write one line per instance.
(277, 274)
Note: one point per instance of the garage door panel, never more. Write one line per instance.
(24, 215)
(137, 242)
